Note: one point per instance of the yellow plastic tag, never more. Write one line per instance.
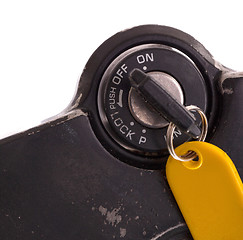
(209, 192)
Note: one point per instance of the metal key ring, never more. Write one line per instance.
(169, 136)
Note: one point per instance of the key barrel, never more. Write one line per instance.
(119, 122)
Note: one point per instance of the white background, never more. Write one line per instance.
(44, 45)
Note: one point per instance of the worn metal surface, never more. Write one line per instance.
(57, 184)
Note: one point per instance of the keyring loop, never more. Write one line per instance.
(169, 136)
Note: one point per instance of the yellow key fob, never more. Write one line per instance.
(209, 192)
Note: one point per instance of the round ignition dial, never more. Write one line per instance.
(127, 117)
